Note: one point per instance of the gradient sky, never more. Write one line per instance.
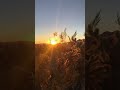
(109, 8)
(56, 15)
(17, 20)
(23, 20)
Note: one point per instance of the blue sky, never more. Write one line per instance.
(56, 15)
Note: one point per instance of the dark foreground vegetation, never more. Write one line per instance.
(90, 64)
(102, 61)
(80, 64)
(17, 65)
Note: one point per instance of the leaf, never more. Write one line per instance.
(96, 19)
(69, 38)
(74, 35)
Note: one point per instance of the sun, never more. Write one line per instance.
(53, 41)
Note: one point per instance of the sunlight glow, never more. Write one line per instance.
(53, 41)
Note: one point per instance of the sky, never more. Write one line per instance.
(27, 20)
(56, 15)
(17, 20)
(109, 8)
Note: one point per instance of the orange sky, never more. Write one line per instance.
(45, 38)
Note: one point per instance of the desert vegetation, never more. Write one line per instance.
(17, 65)
(78, 64)
(59, 66)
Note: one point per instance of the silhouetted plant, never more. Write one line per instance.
(118, 19)
(73, 37)
(62, 67)
(97, 60)
(55, 34)
(63, 36)
(92, 30)
(77, 66)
